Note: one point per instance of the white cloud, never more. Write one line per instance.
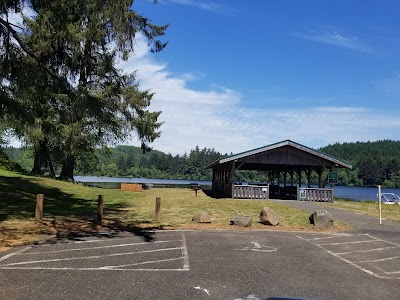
(218, 118)
(334, 38)
(203, 5)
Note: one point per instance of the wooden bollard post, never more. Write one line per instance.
(39, 207)
(158, 207)
(100, 206)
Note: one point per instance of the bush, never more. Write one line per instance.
(7, 164)
(389, 184)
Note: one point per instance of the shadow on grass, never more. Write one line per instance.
(213, 194)
(65, 215)
(18, 200)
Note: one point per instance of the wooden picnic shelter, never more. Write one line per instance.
(279, 160)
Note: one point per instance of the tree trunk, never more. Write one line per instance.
(68, 166)
(42, 161)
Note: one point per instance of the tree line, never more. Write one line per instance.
(373, 163)
(61, 92)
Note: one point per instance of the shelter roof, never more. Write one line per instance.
(252, 157)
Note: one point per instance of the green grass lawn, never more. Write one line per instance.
(72, 207)
(370, 208)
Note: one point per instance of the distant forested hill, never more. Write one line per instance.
(8, 164)
(385, 149)
(373, 163)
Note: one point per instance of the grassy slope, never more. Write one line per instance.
(389, 212)
(72, 207)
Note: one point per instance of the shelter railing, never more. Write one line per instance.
(250, 192)
(315, 194)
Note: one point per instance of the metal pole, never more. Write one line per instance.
(380, 204)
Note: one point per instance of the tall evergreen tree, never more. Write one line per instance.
(78, 44)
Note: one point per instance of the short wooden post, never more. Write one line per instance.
(100, 206)
(39, 207)
(158, 207)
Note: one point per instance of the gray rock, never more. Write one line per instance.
(201, 218)
(321, 218)
(269, 217)
(244, 221)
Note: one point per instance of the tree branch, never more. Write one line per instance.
(16, 36)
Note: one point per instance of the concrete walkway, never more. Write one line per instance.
(362, 223)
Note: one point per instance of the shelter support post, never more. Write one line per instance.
(299, 175)
(213, 180)
(284, 178)
(319, 172)
(308, 172)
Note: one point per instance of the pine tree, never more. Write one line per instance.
(77, 43)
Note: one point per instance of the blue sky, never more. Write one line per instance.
(238, 75)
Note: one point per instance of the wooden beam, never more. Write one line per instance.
(284, 178)
(319, 172)
(299, 175)
(213, 180)
(291, 177)
(239, 166)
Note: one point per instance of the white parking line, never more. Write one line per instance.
(381, 259)
(346, 243)
(351, 263)
(90, 269)
(141, 263)
(90, 257)
(14, 253)
(99, 247)
(368, 250)
(367, 258)
(328, 237)
(185, 254)
(22, 260)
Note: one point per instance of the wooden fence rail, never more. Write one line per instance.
(250, 192)
(315, 194)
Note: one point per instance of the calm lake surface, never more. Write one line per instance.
(353, 193)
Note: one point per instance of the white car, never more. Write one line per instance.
(390, 198)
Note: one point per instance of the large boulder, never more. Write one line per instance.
(321, 218)
(244, 221)
(269, 217)
(201, 218)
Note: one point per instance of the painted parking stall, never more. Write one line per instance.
(166, 253)
(224, 264)
(374, 256)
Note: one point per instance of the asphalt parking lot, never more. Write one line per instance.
(205, 265)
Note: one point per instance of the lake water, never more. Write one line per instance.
(353, 193)
(115, 182)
